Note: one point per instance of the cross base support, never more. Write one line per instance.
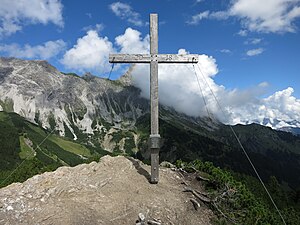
(154, 144)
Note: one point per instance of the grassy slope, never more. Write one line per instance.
(52, 153)
(26, 151)
(71, 146)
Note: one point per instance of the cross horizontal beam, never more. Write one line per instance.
(147, 58)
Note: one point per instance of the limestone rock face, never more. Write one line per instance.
(39, 92)
(113, 191)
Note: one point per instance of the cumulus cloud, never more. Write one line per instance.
(14, 14)
(132, 42)
(275, 16)
(45, 51)
(125, 12)
(271, 16)
(89, 54)
(92, 51)
(178, 86)
(281, 106)
(253, 52)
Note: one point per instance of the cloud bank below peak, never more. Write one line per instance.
(178, 88)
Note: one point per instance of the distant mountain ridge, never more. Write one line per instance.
(288, 126)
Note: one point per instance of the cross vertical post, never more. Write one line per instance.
(153, 59)
(154, 136)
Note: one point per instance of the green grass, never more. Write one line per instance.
(26, 151)
(72, 147)
(37, 129)
(7, 105)
(3, 116)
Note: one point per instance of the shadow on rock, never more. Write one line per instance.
(140, 169)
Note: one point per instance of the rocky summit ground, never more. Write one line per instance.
(114, 191)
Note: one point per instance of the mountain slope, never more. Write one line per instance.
(272, 152)
(22, 140)
(78, 108)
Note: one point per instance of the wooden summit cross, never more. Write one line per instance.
(153, 58)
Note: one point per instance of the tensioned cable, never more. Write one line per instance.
(112, 67)
(206, 107)
(242, 147)
(201, 91)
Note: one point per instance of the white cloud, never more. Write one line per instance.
(282, 106)
(98, 27)
(45, 51)
(131, 42)
(182, 51)
(125, 12)
(178, 86)
(243, 33)
(198, 17)
(219, 15)
(92, 51)
(254, 52)
(253, 41)
(227, 51)
(267, 16)
(14, 14)
(275, 16)
(89, 54)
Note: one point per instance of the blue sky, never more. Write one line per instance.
(252, 43)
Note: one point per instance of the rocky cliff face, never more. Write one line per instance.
(113, 191)
(74, 106)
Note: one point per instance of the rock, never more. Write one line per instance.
(115, 194)
(153, 222)
(141, 217)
